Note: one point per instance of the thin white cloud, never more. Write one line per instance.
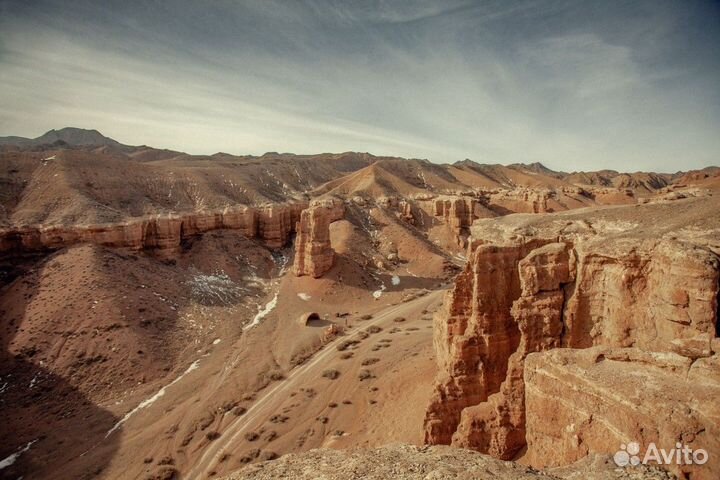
(272, 76)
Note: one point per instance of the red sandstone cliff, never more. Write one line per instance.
(163, 233)
(313, 253)
(646, 303)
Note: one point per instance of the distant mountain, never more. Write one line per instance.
(68, 135)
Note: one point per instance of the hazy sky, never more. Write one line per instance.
(629, 85)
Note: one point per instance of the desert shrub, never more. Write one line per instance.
(364, 375)
(399, 319)
(373, 329)
(331, 374)
(345, 344)
(370, 361)
(279, 418)
(251, 436)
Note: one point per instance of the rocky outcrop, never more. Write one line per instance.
(408, 462)
(597, 399)
(160, 233)
(459, 213)
(531, 292)
(277, 222)
(313, 253)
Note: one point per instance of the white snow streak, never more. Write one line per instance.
(7, 461)
(149, 401)
(263, 313)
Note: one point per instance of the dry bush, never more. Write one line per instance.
(331, 374)
(345, 344)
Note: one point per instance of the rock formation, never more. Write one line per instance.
(407, 462)
(161, 233)
(313, 253)
(603, 396)
(649, 302)
(459, 214)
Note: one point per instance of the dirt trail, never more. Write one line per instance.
(268, 403)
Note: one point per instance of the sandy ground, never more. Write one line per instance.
(304, 399)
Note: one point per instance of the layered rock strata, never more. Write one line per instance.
(163, 233)
(313, 253)
(569, 286)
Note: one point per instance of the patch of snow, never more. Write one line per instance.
(263, 313)
(216, 341)
(395, 280)
(49, 158)
(304, 296)
(34, 381)
(7, 461)
(149, 401)
(216, 289)
(378, 293)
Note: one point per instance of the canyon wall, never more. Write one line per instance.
(313, 253)
(649, 304)
(163, 233)
(459, 213)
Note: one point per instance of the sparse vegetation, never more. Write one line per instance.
(370, 361)
(366, 317)
(373, 329)
(346, 355)
(365, 375)
(399, 319)
(279, 418)
(251, 436)
(331, 374)
(345, 344)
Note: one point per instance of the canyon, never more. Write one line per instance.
(166, 315)
(585, 321)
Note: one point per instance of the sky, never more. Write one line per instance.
(627, 85)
